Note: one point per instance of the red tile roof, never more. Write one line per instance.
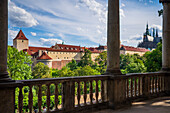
(94, 50)
(21, 36)
(28, 51)
(44, 56)
(130, 48)
(35, 49)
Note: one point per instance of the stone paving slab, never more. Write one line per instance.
(157, 105)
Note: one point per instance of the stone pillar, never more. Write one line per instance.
(7, 95)
(3, 40)
(166, 36)
(113, 38)
(165, 44)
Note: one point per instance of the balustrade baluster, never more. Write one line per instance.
(78, 94)
(139, 86)
(149, 84)
(91, 92)
(131, 89)
(156, 84)
(127, 87)
(152, 84)
(97, 92)
(85, 92)
(135, 84)
(56, 96)
(39, 98)
(160, 83)
(154, 78)
(20, 100)
(30, 99)
(48, 97)
(102, 90)
(163, 83)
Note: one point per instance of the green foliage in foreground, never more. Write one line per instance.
(19, 64)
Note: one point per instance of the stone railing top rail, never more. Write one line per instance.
(18, 83)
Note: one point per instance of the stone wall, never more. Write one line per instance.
(20, 44)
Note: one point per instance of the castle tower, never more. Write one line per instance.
(20, 42)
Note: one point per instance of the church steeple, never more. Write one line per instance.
(157, 32)
(153, 32)
(147, 30)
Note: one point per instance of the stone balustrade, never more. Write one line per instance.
(90, 93)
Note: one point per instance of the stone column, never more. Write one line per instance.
(166, 36)
(3, 40)
(113, 38)
(166, 44)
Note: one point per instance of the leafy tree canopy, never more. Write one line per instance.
(86, 59)
(19, 64)
(41, 71)
(153, 59)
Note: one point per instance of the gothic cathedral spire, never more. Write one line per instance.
(153, 32)
(147, 30)
(157, 32)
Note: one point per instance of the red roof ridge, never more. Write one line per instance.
(20, 35)
(44, 56)
(131, 48)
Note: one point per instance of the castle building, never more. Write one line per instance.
(150, 41)
(58, 55)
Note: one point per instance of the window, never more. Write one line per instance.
(22, 40)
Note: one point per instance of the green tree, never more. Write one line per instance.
(85, 71)
(86, 59)
(153, 59)
(72, 65)
(41, 71)
(19, 64)
(101, 60)
(132, 64)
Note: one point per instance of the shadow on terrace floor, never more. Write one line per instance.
(157, 105)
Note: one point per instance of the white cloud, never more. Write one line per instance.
(122, 5)
(133, 39)
(12, 34)
(33, 34)
(159, 27)
(19, 17)
(49, 34)
(122, 14)
(49, 42)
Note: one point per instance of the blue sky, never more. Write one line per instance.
(79, 22)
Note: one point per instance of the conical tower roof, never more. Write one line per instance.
(21, 36)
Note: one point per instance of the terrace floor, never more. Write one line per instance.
(157, 105)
